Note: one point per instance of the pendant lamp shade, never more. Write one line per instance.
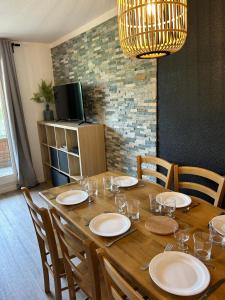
(152, 28)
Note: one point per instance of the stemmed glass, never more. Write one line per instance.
(182, 236)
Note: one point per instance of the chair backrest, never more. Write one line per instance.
(85, 250)
(167, 179)
(217, 195)
(116, 285)
(44, 230)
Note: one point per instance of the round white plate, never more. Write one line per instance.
(182, 200)
(218, 224)
(110, 224)
(179, 273)
(125, 181)
(72, 197)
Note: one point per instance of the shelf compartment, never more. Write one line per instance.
(60, 138)
(63, 161)
(50, 131)
(42, 133)
(54, 157)
(58, 178)
(72, 180)
(47, 173)
(74, 165)
(72, 141)
(45, 153)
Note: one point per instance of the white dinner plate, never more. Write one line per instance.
(72, 197)
(218, 224)
(110, 224)
(182, 200)
(125, 181)
(179, 273)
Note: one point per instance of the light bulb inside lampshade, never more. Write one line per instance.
(152, 28)
(151, 9)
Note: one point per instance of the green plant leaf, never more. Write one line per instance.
(45, 93)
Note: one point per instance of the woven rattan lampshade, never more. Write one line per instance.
(152, 28)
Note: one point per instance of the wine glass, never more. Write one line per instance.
(182, 235)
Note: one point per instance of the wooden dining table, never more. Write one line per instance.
(139, 247)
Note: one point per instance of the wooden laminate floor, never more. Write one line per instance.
(20, 263)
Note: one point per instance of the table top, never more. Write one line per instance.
(134, 250)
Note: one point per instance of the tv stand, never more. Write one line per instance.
(69, 150)
(84, 122)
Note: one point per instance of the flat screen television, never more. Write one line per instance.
(69, 102)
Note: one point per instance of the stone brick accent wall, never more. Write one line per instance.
(118, 92)
(4, 153)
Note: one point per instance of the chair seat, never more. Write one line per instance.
(85, 282)
(71, 242)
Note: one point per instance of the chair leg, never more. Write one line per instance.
(58, 292)
(46, 279)
(72, 289)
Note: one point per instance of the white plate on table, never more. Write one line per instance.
(72, 197)
(110, 224)
(218, 224)
(182, 200)
(179, 273)
(125, 181)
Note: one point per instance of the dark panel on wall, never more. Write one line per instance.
(191, 92)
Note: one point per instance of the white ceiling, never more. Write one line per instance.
(47, 20)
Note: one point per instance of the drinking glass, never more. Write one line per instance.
(155, 207)
(107, 182)
(169, 207)
(133, 209)
(83, 181)
(121, 203)
(217, 238)
(182, 235)
(202, 245)
(92, 187)
(114, 185)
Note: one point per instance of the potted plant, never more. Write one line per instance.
(45, 95)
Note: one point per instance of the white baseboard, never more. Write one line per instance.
(40, 179)
(12, 186)
(8, 188)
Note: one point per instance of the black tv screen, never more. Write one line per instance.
(69, 102)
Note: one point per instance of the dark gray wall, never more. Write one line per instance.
(191, 92)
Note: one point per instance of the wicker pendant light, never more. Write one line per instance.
(152, 28)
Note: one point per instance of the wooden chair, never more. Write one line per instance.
(217, 195)
(47, 245)
(116, 285)
(167, 179)
(85, 274)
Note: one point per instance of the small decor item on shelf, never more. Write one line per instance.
(48, 113)
(45, 95)
(75, 150)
